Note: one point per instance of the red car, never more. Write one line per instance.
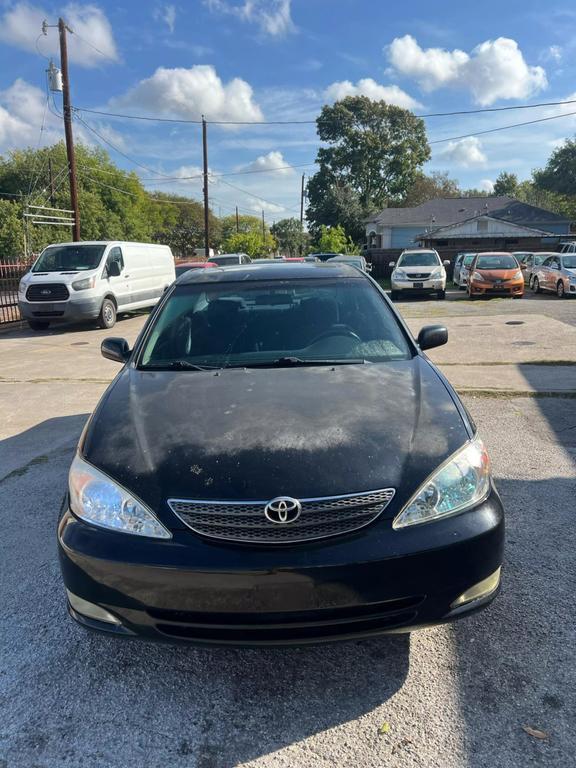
(186, 265)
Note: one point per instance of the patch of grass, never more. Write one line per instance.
(384, 282)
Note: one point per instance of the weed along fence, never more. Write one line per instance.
(10, 275)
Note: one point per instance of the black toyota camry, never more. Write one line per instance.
(277, 462)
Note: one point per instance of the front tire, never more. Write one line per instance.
(107, 317)
(560, 290)
(536, 285)
(38, 325)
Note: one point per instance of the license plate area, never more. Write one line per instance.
(418, 285)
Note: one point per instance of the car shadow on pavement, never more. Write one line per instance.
(71, 697)
(23, 330)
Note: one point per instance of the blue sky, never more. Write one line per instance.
(247, 60)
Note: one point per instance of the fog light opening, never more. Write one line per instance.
(481, 589)
(90, 610)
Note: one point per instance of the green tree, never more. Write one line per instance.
(424, 188)
(179, 222)
(334, 202)
(11, 231)
(374, 151)
(113, 202)
(559, 175)
(506, 184)
(334, 240)
(291, 239)
(245, 224)
(250, 243)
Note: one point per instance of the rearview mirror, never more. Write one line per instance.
(432, 336)
(446, 262)
(115, 349)
(113, 269)
(391, 263)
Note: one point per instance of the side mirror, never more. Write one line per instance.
(368, 267)
(391, 263)
(432, 336)
(113, 269)
(446, 262)
(115, 349)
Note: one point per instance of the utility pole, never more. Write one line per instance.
(62, 29)
(237, 221)
(205, 175)
(302, 204)
(51, 180)
(263, 232)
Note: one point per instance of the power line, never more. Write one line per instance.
(452, 113)
(258, 197)
(149, 197)
(105, 55)
(502, 128)
(116, 149)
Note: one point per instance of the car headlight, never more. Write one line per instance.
(518, 275)
(22, 286)
(82, 285)
(98, 500)
(461, 482)
(399, 274)
(573, 278)
(436, 275)
(478, 276)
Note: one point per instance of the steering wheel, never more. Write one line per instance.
(340, 330)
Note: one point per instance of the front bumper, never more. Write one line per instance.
(418, 286)
(497, 289)
(61, 311)
(369, 583)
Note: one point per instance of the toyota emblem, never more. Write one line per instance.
(46, 292)
(283, 510)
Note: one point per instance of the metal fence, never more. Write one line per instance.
(10, 275)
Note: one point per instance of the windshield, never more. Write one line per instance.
(569, 262)
(223, 261)
(425, 259)
(468, 259)
(501, 261)
(266, 322)
(69, 258)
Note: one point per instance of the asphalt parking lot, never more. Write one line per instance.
(456, 696)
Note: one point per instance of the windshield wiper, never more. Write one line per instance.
(294, 362)
(179, 365)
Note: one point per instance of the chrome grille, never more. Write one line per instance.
(419, 275)
(244, 521)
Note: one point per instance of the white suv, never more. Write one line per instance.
(418, 271)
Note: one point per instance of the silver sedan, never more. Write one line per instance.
(558, 274)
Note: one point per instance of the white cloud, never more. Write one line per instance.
(22, 108)
(392, 94)
(464, 153)
(486, 185)
(262, 205)
(191, 93)
(553, 53)
(495, 69)
(21, 24)
(273, 161)
(271, 16)
(167, 14)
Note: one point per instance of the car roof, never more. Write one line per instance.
(256, 272)
(494, 253)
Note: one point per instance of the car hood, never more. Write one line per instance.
(497, 274)
(259, 433)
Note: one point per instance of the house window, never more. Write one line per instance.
(482, 225)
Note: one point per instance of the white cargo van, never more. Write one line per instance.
(78, 282)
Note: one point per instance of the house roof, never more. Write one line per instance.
(451, 210)
(459, 230)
